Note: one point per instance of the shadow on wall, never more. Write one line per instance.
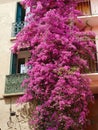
(19, 115)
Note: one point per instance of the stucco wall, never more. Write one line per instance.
(18, 121)
(7, 16)
(8, 1)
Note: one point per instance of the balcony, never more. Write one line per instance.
(16, 28)
(85, 7)
(92, 63)
(13, 84)
(92, 74)
(89, 12)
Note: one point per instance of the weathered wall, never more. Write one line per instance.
(19, 121)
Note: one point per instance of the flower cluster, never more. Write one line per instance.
(57, 49)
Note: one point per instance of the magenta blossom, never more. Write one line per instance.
(54, 80)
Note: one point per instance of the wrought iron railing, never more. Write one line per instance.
(13, 83)
(93, 65)
(16, 27)
(85, 7)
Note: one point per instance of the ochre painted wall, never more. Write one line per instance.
(7, 17)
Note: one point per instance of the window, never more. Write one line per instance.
(18, 62)
(21, 65)
(20, 13)
(20, 17)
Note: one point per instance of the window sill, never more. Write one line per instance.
(13, 94)
(12, 38)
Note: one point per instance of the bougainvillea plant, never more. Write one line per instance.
(58, 50)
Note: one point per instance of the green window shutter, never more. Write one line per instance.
(13, 63)
(20, 14)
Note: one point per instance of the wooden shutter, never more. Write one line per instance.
(13, 63)
(20, 14)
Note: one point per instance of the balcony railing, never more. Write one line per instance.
(85, 7)
(13, 84)
(13, 81)
(93, 64)
(16, 28)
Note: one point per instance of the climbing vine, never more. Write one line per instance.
(58, 48)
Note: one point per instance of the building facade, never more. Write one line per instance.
(13, 69)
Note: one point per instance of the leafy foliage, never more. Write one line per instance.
(55, 81)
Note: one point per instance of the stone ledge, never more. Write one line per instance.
(12, 38)
(13, 94)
